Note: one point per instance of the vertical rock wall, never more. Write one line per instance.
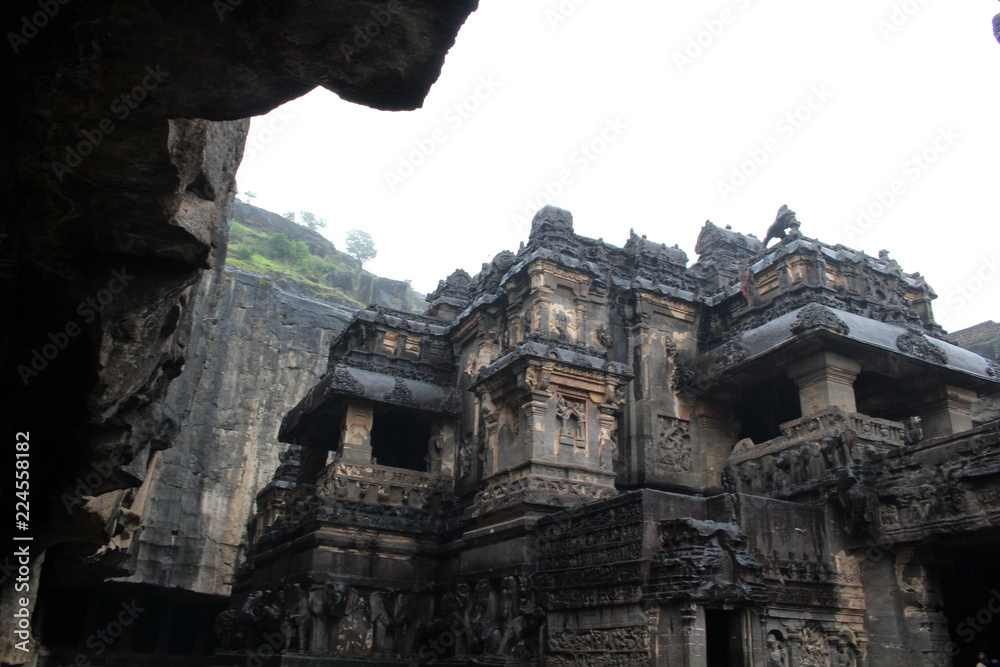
(255, 351)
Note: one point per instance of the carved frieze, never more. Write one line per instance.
(814, 650)
(401, 395)
(816, 316)
(732, 351)
(705, 560)
(916, 344)
(604, 641)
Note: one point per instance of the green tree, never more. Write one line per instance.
(289, 215)
(250, 196)
(281, 247)
(311, 221)
(360, 245)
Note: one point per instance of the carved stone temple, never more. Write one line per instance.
(597, 455)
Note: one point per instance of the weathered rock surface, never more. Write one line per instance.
(256, 350)
(123, 134)
(984, 339)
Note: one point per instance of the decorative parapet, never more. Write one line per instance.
(562, 485)
(941, 487)
(382, 485)
(810, 451)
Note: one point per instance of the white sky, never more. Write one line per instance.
(562, 73)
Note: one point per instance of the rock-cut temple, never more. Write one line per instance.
(596, 455)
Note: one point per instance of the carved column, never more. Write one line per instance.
(717, 433)
(541, 300)
(825, 380)
(356, 438)
(946, 410)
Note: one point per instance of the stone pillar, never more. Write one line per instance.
(946, 410)
(717, 433)
(825, 379)
(356, 438)
(680, 637)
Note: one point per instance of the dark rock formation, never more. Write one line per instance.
(122, 135)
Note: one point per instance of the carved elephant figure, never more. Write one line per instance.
(295, 618)
(226, 626)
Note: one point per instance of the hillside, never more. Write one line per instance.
(304, 262)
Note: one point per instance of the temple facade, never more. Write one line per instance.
(597, 455)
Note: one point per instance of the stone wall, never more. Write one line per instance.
(255, 351)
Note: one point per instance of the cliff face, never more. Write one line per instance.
(349, 283)
(983, 339)
(255, 350)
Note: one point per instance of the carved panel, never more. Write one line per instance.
(604, 641)
(572, 415)
(816, 316)
(815, 650)
(671, 452)
(916, 344)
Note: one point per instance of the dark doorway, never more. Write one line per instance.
(400, 440)
(723, 638)
(767, 405)
(971, 587)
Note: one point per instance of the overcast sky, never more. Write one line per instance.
(659, 115)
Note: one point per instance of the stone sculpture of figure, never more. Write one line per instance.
(485, 624)
(418, 619)
(511, 621)
(355, 633)
(750, 476)
(251, 619)
(322, 601)
(728, 479)
(608, 445)
(463, 605)
(784, 220)
(563, 412)
(382, 621)
(913, 432)
(295, 618)
(846, 654)
(562, 325)
(776, 655)
(226, 625)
